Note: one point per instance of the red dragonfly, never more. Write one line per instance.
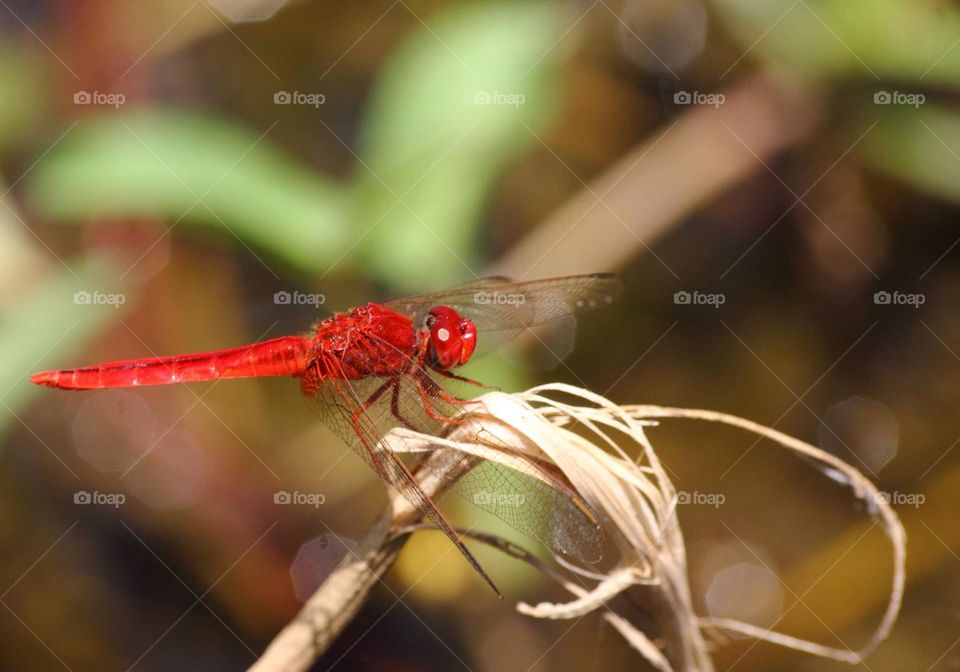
(371, 369)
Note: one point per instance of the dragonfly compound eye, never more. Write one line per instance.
(468, 336)
(446, 345)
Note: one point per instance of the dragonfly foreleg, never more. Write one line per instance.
(428, 389)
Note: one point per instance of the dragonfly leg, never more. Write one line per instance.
(395, 406)
(464, 379)
(371, 400)
(428, 389)
(433, 389)
(312, 379)
(385, 461)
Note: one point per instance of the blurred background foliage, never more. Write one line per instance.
(194, 162)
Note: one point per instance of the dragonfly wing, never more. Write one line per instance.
(497, 303)
(348, 413)
(418, 305)
(537, 501)
(502, 309)
(531, 497)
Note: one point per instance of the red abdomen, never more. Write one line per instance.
(285, 356)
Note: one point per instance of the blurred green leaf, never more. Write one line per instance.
(24, 94)
(159, 163)
(895, 39)
(50, 324)
(921, 147)
(457, 101)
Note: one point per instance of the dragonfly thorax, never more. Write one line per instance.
(367, 341)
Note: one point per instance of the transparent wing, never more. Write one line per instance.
(343, 408)
(498, 304)
(532, 498)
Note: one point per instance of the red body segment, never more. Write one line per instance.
(367, 341)
(288, 355)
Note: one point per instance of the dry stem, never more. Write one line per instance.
(331, 608)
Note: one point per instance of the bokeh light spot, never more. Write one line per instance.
(247, 11)
(316, 560)
(746, 591)
(113, 429)
(863, 427)
(663, 35)
(173, 475)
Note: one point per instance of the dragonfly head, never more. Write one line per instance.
(451, 339)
